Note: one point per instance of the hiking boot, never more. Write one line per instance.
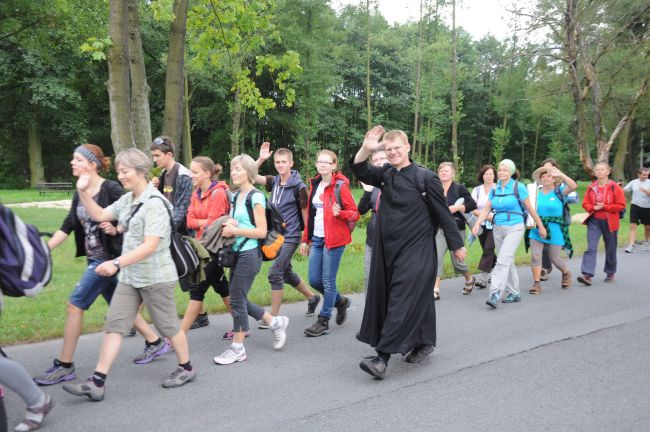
(201, 320)
(609, 278)
(480, 283)
(279, 329)
(320, 327)
(55, 375)
(263, 325)
(86, 388)
(179, 377)
(312, 304)
(229, 335)
(544, 275)
(493, 301)
(512, 298)
(375, 366)
(629, 249)
(231, 355)
(35, 416)
(566, 279)
(584, 279)
(342, 310)
(419, 353)
(152, 351)
(536, 288)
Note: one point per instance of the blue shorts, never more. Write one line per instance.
(91, 286)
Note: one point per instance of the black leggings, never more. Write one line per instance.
(214, 276)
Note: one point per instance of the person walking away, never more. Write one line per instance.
(399, 314)
(369, 202)
(509, 199)
(555, 186)
(289, 195)
(98, 242)
(603, 200)
(147, 273)
(247, 232)
(639, 209)
(486, 177)
(453, 192)
(327, 232)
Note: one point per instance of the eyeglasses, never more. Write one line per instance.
(325, 162)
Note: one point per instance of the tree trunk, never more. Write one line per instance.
(454, 89)
(539, 124)
(369, 113)
(34, 150)
(417, 87)
(187, 135)
(618, 168)
(139, 87)
(235, 136)
(174, 78)
(119, 83)
(572, 35)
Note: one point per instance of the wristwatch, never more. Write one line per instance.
(116, 263)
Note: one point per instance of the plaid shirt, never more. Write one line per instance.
(151, 220)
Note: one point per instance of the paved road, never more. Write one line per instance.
(567, 360)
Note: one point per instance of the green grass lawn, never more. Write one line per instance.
(43, 317)
(8, 196)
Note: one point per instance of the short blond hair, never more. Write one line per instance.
(283, 152)
(248, 164)
(395, 134)
(447, 164)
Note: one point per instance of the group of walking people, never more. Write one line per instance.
(124, 230)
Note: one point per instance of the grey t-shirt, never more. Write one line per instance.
(639, 197)
(92, 242)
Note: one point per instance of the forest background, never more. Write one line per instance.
(221, 76)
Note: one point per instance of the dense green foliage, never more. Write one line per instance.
(299, 68)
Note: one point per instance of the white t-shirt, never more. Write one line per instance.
(317, 202)
(481, 198)
(639, 197)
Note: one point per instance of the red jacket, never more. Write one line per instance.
(337, 232)
(613, 204)
(211, 206)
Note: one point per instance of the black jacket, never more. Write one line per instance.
(457, 190)
(110, 192)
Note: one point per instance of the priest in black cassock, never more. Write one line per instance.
(400, 315)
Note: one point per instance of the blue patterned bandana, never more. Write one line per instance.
(83, 151)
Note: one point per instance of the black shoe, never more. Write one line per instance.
(201, 320)
(342, 310)
(419, 353)
(320, 327)
(312, 304)
(374, 366)
(131, 332)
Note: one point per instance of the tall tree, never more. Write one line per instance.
(454, 89)
(175, 77)
(140, 111)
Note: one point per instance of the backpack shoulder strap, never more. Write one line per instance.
(337, 192)
(249, 205)
(419, 180)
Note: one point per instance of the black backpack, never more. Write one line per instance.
(275, 226)
(339, 200)
(183, 254)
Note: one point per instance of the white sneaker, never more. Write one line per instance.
(262, 325)
(230, 356)
(646, 246)
(629, 249)
(279, 328)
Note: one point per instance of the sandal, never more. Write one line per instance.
(536, 288)
(469, 286)
(35, 416)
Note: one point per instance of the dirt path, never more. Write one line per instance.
(62, 204)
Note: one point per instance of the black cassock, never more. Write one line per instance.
(400, 311)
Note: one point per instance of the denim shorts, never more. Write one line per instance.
(92, 286)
